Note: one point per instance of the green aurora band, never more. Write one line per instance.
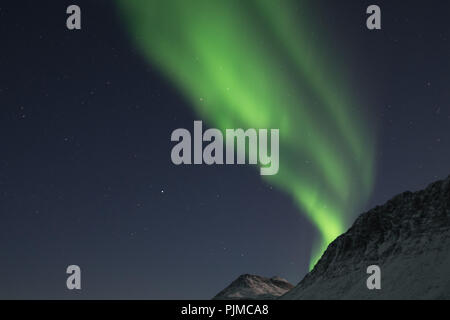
(258, 64)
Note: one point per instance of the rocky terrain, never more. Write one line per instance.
(408, 238)
(250, 287)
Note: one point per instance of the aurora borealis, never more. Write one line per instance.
(257, 64)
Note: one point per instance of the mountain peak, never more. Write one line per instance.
(252, 287)
(408, 238)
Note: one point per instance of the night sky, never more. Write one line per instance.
(85, 170)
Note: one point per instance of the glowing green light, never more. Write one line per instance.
(252, 64)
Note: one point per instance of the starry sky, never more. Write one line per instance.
(85, 170)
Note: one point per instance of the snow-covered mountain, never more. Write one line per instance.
(250, 287)
(408, 238)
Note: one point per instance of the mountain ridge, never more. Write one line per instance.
(408, 237)
(253, 287)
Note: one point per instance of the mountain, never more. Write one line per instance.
(408, 238)
(250, 287)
